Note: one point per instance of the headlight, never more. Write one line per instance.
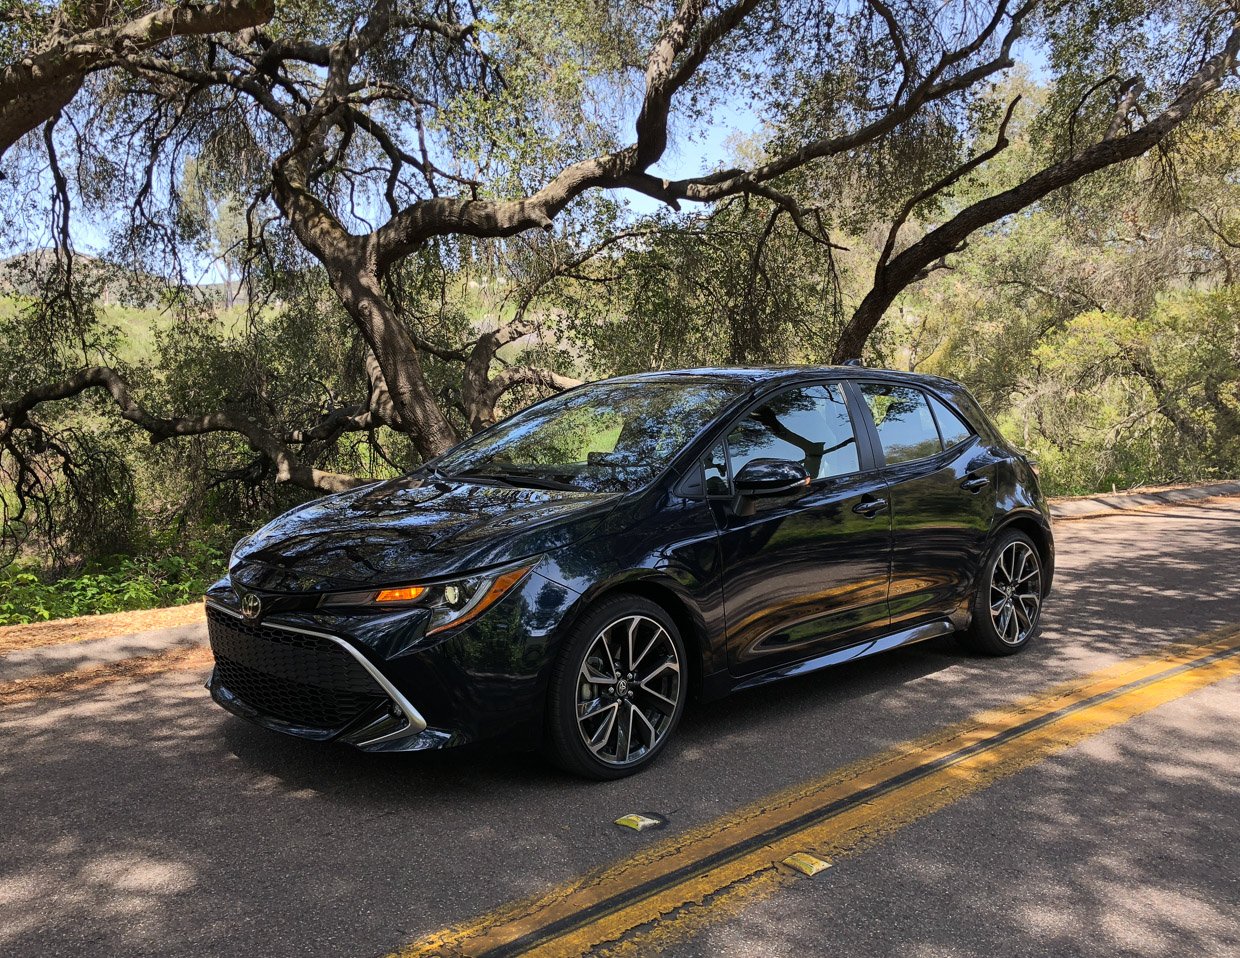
(451, 603)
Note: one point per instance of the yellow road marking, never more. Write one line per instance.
(641, 903)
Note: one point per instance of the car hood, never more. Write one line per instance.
(406, 530)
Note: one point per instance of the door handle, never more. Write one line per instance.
(974, 484)
(870, 507)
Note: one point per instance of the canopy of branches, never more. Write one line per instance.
(329, 239)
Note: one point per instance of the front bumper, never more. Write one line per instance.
(306, 683)
(375, 682)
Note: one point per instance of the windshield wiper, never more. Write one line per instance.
(478, 477)
(539, 482)
(518, 480)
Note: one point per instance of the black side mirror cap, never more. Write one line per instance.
(770, 477)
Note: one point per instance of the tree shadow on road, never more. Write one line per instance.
(141, 817)
(1123, 845)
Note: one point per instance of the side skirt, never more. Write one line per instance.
(909, 636)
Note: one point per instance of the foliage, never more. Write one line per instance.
(740, 286)
(115, 584)
(1126, 402)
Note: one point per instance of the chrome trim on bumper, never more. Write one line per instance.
(411, 714)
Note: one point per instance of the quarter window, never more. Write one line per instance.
(715, 469)
(905, 427)
(809, 425)
(952, 428)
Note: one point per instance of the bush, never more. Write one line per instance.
(117, 584)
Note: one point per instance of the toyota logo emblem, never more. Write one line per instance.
(251, 605)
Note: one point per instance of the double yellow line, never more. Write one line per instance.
(642, 903)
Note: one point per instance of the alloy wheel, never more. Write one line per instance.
(1015, 592)
(628, 690)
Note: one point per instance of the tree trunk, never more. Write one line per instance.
(352, 270)
(415, 408)
(475, 380)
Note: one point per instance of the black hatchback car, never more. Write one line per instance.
(573, 574)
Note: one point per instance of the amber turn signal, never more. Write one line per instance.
(404, 594)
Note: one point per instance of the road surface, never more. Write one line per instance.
(1082, 798)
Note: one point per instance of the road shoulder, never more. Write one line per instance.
(91, 653)
(1131, 500)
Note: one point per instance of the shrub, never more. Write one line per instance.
(117, 584)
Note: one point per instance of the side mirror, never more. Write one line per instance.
(770, 477)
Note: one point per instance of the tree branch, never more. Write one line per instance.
(16, 416)
(40, 84)
(948, 181)
(933, 87)
(904, 269)
(512, 377)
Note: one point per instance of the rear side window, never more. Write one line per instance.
(905, 426)
(809, 425)
(952, 428)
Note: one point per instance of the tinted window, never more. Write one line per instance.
(808, 425)
(715, 468)
(905, 426)
(952, 428)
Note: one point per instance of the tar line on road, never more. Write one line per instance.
(673, 889)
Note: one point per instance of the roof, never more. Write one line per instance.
(752, 376)
(757, 374)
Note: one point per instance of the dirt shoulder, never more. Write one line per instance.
(1133, 500)
(86, 627)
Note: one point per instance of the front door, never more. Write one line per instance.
(806, 573)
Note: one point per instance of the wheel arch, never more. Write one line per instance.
(663, 591)
(1035, 528)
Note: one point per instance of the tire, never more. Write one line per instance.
(618, 725)
(1007, 605)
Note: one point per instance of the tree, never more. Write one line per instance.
(47, 52)
(1100, 329)
(381, 142)
(896, 272)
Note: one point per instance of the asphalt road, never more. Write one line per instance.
(136, 818)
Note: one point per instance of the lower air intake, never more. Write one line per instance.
(305, 680)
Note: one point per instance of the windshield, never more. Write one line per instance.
(604, 437)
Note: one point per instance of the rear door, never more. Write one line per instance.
(941, 484)
(806, 573)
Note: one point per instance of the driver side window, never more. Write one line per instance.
(808, 424)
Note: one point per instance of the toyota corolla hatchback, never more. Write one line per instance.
(575, 574)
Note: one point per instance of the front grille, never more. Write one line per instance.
(302, 679)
